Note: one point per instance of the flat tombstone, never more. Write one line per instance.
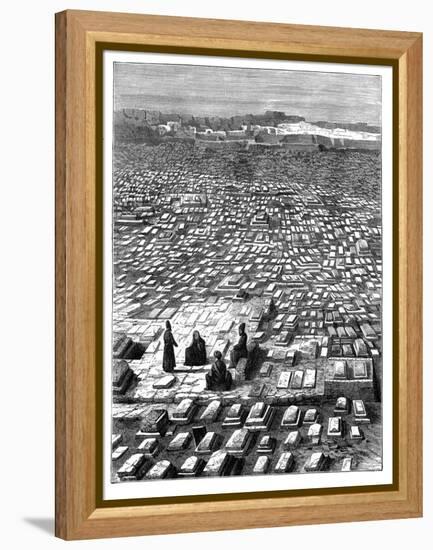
(149, 447)
(211, 412)
(154, 424)
(191, 467)
(238, 443)
(360, 411)
(184, 412)
(335, 426)
(234, 416)
(116, 439)
(310, 378)
(292, 440)
(207, 444)
(260, 417)
(297, 379)
(262, 465)
(340, 370)
(119, 452)
(315, 463)
(341, 406)
(315, 433)
(218, 464)
(355, 432)
(360, 369)
(291, 417)
(132, 466)
(285, 463)
(180, 442)
(165, 382)
(311, 416)
(283, 380)
(347, 464)
(266, 445)
(256, 390)
(160, 470)
(265, 370)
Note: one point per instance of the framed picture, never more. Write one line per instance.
(238, 274)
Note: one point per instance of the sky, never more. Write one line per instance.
(225, 91)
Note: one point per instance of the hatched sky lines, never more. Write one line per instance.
(225, 91)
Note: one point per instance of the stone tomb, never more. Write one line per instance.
(314, 434)
(119, 452)
(355, 433)
(207, 444)
(283, 380)
(297, 379)
(347, 464)
(262, 465)
(161, 470)
(311, 416)
(292, 440)
(359, 411)
(184, 412)
(340, 370)
(310, 379)
(335, 426)
(133, 467)
(291, 417)
(315, 463)
(239, 442)
(191, 467)
(219, 464)
(234, 417)
(285, 463)
(266, 445)
(154, 424)
(265, 370)
(180, 442)
(116, 439)
(149, 447)
(260, 417)
(165, 382)
(210, 414)
(341, 406)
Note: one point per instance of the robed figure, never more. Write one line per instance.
(168, 359)
(219, 378)
(240, 349)
(195, 354)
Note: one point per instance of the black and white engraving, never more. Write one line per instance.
(247, 272)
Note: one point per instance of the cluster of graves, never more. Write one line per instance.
(288, 243)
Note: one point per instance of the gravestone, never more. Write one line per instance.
(154, 424)
(355, 433)
(311, 416)
(184, 412)
(341, 406)
(132, 468)
(335, 426)
(315, 462)
(234, 417)
(165, 382)
(297, 379)
(149, 447)
(314, 434)
(180, 442)
(239, 442)
(218, 464)
(292, 440)
(211, 412)
(265, 370)
(198, 432)
(116, 439)
(283, 380)
(207, 444)
(119, 452)
(191, 467)
(262, 465)
(266, 445)
(291, 417)
(310, 378)
(360, 411)
(161, 470)
(347, 464)
(285, 463)
(260, 417)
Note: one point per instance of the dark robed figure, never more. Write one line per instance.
(168, 359)
(240, 349)
(195, 354)
(218, 379)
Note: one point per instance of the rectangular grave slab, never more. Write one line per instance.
(210, 414)
(235, 416)
(165, 382)
(347, 464)
(355, 433)
(256, 391)
(265, 370)
(291, 417)
(154, 423)
(132, 467)
(218, 464)
(310, 378)
(116, 439)
(191, 467)
(266, 445)
(360, 369)
(260, 417)
(184, 412)
(285, 463)
(315, 433)
(360, 411)
(161, 470)
(315, 463)
(341, 406)
(149, 447)
(292, 440)
(207, 444)
(262, 465)
(335, 426)
(239, 442)
(310, 416)
(297, 379)
(180, 442)
(119, 452)
(283, 380)
(340, 370)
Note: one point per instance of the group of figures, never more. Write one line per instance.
(219, 378)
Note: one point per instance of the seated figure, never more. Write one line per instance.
(240, 349)
(195, 354)
(218, 379)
